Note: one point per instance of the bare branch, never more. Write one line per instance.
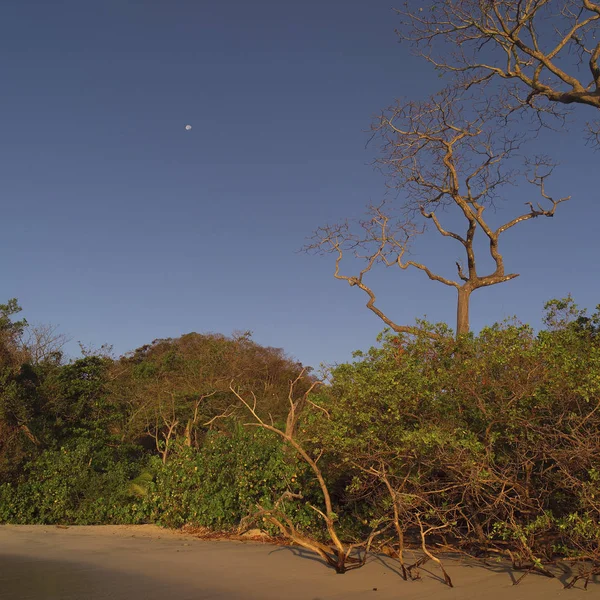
(297, 405)
(338, 555)
(538, 50)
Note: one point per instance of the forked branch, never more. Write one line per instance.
(338, 554)
(539, 50)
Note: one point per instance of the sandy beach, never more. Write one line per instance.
(149, 563)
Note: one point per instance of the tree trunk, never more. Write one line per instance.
(188, 433)
(462, 312)
(292, 419)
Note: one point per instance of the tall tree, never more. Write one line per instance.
(442, 155)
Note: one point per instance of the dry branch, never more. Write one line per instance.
(337, 554)
(544, 54)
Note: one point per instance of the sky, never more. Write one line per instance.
(118, 226)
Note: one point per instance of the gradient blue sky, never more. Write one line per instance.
(120, 227)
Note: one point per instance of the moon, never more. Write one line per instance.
(188, 127)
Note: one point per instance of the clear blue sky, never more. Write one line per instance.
(120, 227)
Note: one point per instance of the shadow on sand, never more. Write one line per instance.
(564, 572)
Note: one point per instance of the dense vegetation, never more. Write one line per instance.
(488, 443)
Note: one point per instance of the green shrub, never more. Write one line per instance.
(80, 483)
(222, 482)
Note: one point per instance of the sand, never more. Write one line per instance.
(149, 563)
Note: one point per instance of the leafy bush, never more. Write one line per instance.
(222, 483)
(80, 483)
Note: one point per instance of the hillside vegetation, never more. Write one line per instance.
(489, 444)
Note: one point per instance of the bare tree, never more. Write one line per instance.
(441, 155)
(547, 51)
(337, 554)
(43, 342)
(169, 415)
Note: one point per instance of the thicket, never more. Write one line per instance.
(485, 444)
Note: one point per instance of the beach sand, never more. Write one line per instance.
(148, 563)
